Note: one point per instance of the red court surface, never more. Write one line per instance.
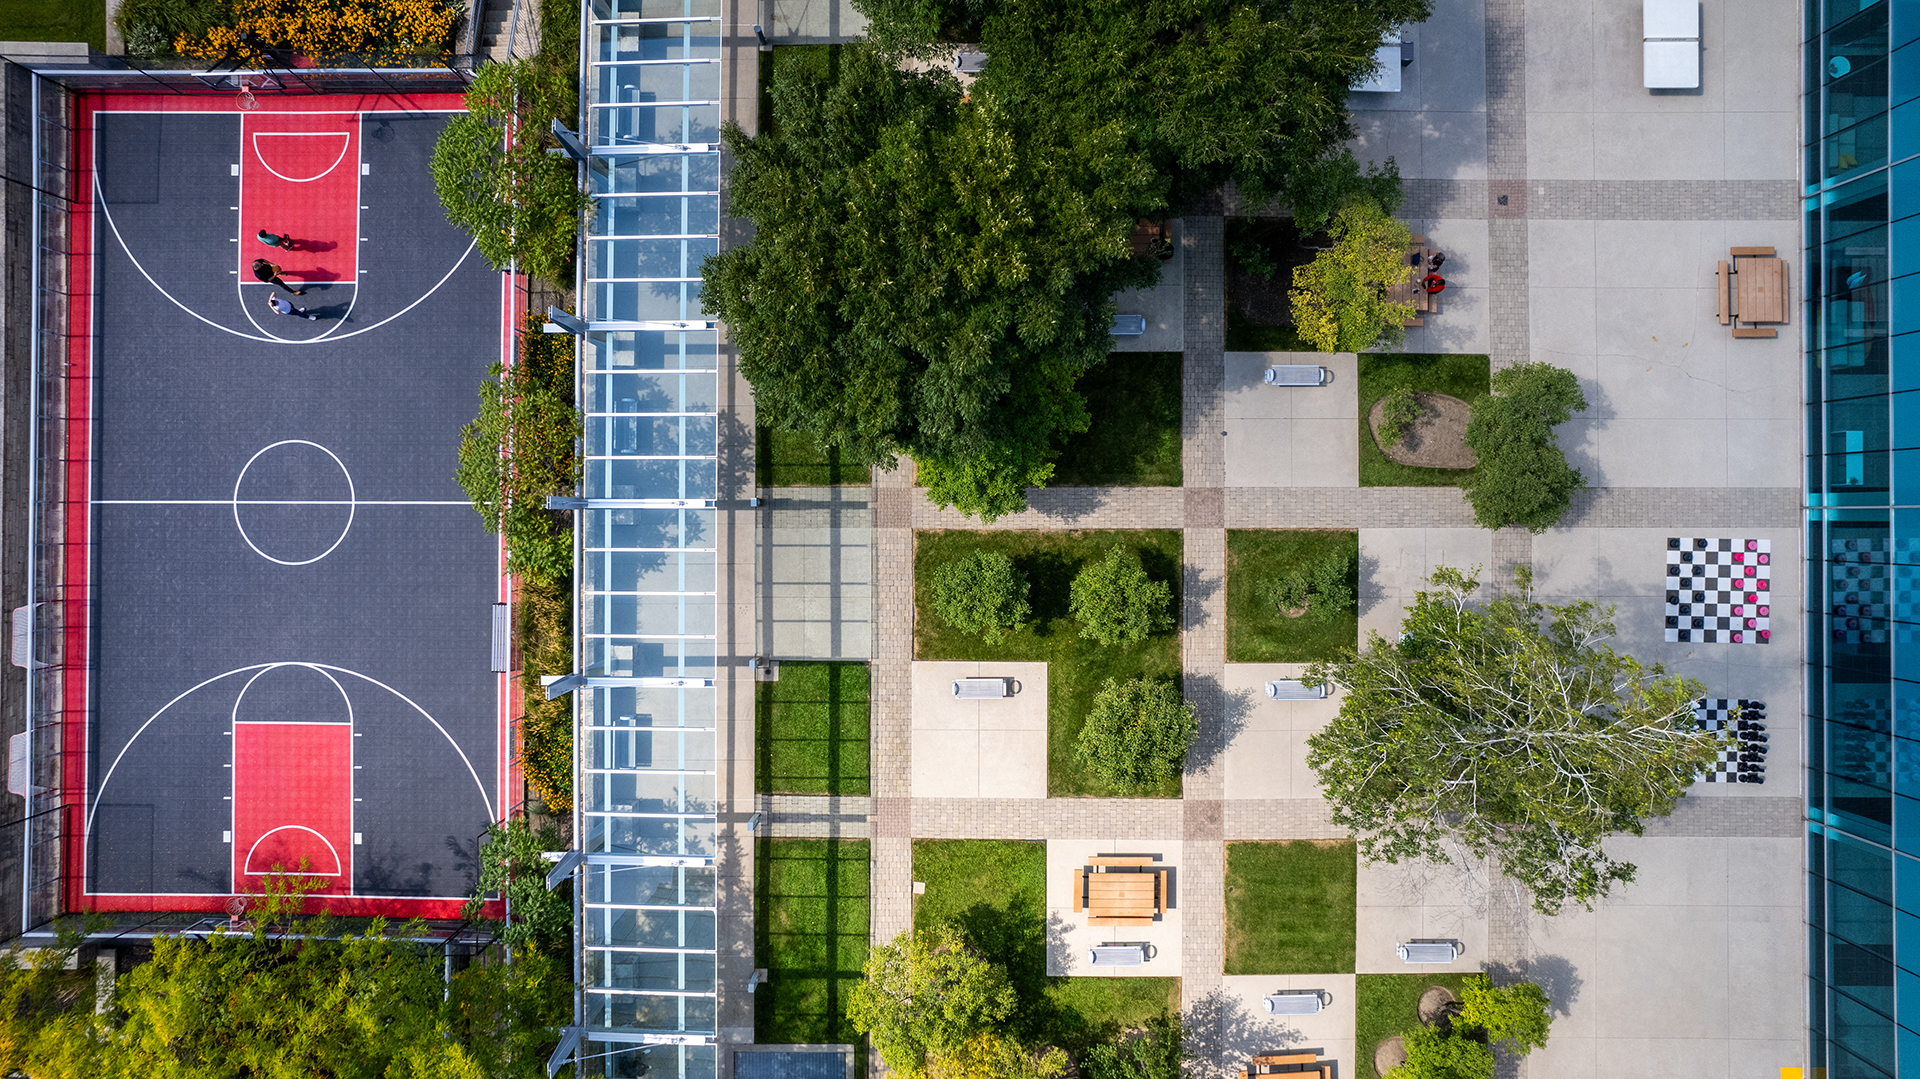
(300, 177)
(293, 785)
(293, 803)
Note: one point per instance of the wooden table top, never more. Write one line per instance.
(1762, 289)
(1123, 898)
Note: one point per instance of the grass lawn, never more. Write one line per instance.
(810, 932)
(786, 459)
(1290, 907)
(1465, 377)
(54, 20)
(1389, 1004)
(995, 892)
(1135, 399)
(811, 730)
(1244, 336)
(1076, 667)
(1259, 633)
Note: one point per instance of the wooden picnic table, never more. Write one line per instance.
(1411, 291)
(1122, 890)
(1295, 1064)
(1752, 288)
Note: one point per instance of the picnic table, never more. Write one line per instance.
(1752, 287)
(1411, 291)
(1300, 1064)
(1120, 889)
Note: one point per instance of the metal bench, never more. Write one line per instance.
(1128, 325)
(1427, 951)
(1292, 689)
(1296, 374)
(1296, 1001)
(981, 689)
(1117, 955)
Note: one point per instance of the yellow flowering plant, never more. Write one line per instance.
(382, 31)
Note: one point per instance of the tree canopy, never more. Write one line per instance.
(1523, 478)
(1506, 728)
(928, 999)
(293, 1000)
(1206, 90)
(929, 274)
(1339, 299)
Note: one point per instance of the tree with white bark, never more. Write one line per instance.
(1509, 729)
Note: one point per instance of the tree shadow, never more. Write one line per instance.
(1556, 975)
(1049, 587)
(1220, 1028)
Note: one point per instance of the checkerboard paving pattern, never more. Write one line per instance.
(1719, 590)
(1720, 713)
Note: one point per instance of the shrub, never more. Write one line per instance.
(1117, 603)
(982, 593)
(153, 25)
(497, 181)
(1254, 259)
(1137, 734)
(146, 39)
(520, 449)
(511, 867)
(1321, 587)
(1339, 299)
(1515, 1014)
(1154, 1053)
(545, 611)
(377, 30)
(988, 486)
(1524, 477)
(1398, 414)
(1437, 1054)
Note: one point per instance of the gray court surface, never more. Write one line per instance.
(388, 601)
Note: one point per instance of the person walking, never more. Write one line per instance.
(285, 307)
(269, 273)
(285, 243)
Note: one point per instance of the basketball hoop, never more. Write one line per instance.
(247, 102)
(237, 905)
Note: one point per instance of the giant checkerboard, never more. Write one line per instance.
(1718, 590)
(1718, 714)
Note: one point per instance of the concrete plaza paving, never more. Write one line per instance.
(816, 573)
(979, 749)
(1291, 436)
(1069, 936)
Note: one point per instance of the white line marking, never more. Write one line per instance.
(238, 480)
(246, 864)
(279, 502)
(346, 140)
(94, 808)
(271, 340)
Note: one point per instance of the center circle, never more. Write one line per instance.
(294, 494)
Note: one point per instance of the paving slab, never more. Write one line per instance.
(815, 563)
(1069, 936)
(1418, 901)
(1266, 754)
(979, 749)
(1248, 1031)
(1291, 436)
(1163, 305)
(1395, 562)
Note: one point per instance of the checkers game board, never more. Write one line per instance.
(1718, 590)
(1717, 714)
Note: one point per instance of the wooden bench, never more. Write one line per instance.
(1723, 280)
(1411, 291)
(1121, 859)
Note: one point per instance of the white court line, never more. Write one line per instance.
(246, 866)
(100, 793)
(278, 502)
(100, 199)
(240, 230)
(346, 140)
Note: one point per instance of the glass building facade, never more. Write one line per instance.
(1862, 270)
(644, 722)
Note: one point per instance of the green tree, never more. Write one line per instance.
(1339, 299)
(929, 275)
(926, 996)
(511, 867)
(982, 593)
(1523, 478)
(1514, 1014)
(1332, 588)
(1398, 413)
(1155, 1053)
(292, 998)
(1117, 603)
(1438, 1054)
(1506, 728)
(519, 450)
(1209, 90)
(495, 178)
(1137, 733)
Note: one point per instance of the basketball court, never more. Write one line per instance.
(287, 614)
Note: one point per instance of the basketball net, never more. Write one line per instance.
(247, 102)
